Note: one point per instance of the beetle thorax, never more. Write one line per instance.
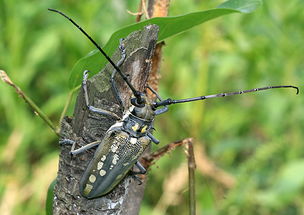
(139, 120)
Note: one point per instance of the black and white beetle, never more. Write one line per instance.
(126, 140)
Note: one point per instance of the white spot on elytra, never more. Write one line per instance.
(103, 158)
(102, 172)
(133, 140)
(125, 164)
(99, 165)
(115, 159)
(87, 189)
(114, 148)
(92, 178)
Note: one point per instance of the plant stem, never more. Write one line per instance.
(5, 78)
(191, 169)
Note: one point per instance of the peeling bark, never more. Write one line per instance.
(86, 127)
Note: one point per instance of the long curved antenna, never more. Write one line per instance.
(136, 93)
(171, 101)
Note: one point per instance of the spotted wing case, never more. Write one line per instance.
(113, 159)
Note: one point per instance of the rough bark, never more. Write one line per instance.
(86, 127)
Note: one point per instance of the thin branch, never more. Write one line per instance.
(142, 9)
(191, 175)
(150, 159)
(5, 78)
(138, 14)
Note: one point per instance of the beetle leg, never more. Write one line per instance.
(66, 141)
(84, 148)
(135, 177)
(141, 169)
(86, 97)
(70, 142)
(154, 140)
(120, 62)
(154, 92)
(162, 110)
(81, 149)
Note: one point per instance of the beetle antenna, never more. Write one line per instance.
(137, 94)
(171, 101)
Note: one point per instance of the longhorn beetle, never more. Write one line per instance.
(126, 140)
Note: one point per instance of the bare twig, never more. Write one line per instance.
(142, 9)
(138, 14)
(150, 159)
(5, 78)
(191, 175)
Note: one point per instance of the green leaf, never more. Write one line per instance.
(168, 26)
(49, 199)
(241, 5)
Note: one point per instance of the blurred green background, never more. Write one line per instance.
(255, 139)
